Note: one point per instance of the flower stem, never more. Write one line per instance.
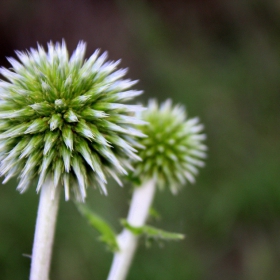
(139, 210)
(44, 232)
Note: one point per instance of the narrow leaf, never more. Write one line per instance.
(152, 232)
(107, 234)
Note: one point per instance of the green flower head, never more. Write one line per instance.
(64, 118)
(173, 148)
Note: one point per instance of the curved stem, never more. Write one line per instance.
(138, 212)
(44, 232)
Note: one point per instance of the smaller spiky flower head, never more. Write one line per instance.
(173, 148)
(65, 118)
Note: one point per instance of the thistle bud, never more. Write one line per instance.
(64, 118)
(173, 149)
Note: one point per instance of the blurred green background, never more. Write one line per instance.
(221, 59)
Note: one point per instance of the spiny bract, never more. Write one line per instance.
(173, 148)
(63, 117)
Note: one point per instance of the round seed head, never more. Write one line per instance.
(173, 149)
(65, 118)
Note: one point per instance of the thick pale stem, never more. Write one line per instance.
(138, 212)
(44, 232)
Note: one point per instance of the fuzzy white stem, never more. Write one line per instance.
(139, 209)
(44, 232)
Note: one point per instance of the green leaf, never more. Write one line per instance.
(153, 213)
(153, 232)
(107, 234)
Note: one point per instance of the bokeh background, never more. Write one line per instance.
(221, 59)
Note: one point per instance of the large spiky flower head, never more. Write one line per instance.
(173, 148)
(64, 118)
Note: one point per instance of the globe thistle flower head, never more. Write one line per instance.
(66, 118)
(173, 149)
